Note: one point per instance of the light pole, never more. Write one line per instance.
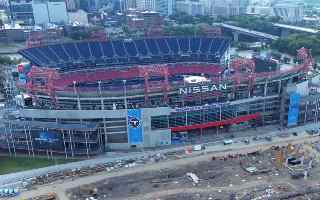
(126, 107)
(100, 95)
(76, 94)
(125, 94)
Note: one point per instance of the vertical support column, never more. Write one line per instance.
(99, 139)
(235, 36)
(316, 113)
(87, 149)
(265, 88)
(13, 140)
(31, 141)
(146, 87)
(7, 139)
(64, 145)
(27, 139)
(305, 112)
(220, 112)
(279, 87)
(100, 95)
(103, 119)
(75, 91)
(186, 117)
(265, 92)
(70, 140)
(166, 84)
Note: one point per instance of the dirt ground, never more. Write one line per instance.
(220, 178)
(222, 175)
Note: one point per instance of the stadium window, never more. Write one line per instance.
(159, 122)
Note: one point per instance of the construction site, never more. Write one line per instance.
(286, 168)
(269, 174)
(277, 173)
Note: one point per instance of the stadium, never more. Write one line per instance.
(85, 98)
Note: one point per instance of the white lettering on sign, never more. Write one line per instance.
(202, 89)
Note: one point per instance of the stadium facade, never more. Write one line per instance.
(89, 97)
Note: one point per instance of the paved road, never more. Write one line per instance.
(14, 178)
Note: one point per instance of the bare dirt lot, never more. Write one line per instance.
(227, 177)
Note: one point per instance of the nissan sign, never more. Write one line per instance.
(202, 89)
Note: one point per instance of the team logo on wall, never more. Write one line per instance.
(134, 122)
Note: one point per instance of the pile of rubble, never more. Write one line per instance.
(90, 170)
(49, 196)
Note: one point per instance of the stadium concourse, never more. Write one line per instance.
(85, 98)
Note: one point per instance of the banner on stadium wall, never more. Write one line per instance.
(293, 114)
(46, 136)
(22, 79)
(135, 129)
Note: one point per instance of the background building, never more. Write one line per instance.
(22, 11)
(228, 8)
(289, 11)
(164, 7)
(79, 17)
(72, 5)
(191, 7)
(38, 12)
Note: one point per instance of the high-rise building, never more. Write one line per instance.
(164, 7)
(149, 5)
(38, 12)
(90, 5)
(289, 11)
(191, 7)
(228, 8)
(21, 11)
(72, 5)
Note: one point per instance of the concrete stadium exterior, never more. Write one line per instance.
(138, 99)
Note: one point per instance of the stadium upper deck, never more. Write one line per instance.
(92, 54)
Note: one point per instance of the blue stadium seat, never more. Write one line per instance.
(39, 55)
(131, 48)
(95, 49)
(60, 52)
(49, 54)
(73, 56)
(141, 47)
(195, 45)
(152, 46)
(72, 51)
(173, 45)
(107, 49)
(163, 46)
(119, 48)
(84, 50)
(224, 46)
(205, 45)
(26, 53)
(216, 42)
(183, 44)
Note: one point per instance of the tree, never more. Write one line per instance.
(296, 41)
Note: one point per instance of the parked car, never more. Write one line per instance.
(246, 141)
(312, 131)
(227, 142)
(268, 138)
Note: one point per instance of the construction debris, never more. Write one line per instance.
(230, 171)
(193, 177)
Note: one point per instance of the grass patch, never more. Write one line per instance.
(16, 164)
